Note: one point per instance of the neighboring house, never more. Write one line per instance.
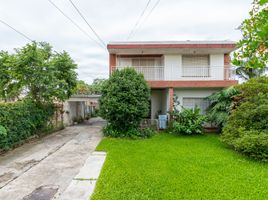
(187, 70)
(79, 106)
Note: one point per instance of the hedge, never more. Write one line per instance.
(21, 120)
(246, 129)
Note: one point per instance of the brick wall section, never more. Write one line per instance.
(227, 60)
(112, 62)
(192, 84)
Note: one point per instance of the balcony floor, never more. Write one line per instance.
(192, 84)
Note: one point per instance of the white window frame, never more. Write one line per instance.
(197, 68)
(156, 60)
(204, 102)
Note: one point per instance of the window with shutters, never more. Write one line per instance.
(195, 66)
(202, 103)
(149, 62)
(124, 62)
(151, 67)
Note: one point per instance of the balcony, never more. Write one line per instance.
(152, 73)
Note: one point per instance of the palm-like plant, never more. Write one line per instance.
(247, 73)
(220, 105)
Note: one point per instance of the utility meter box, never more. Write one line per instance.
(162, 121)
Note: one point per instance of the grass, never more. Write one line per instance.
(178, 167)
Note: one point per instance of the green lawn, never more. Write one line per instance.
(178, 167)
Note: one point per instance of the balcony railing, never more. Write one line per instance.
(202, 72)
(149, 72)
(185, 73)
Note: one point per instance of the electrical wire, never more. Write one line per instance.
(22, 34)
(75, 24)
(138, 21)
(147, 16)
(92, 29)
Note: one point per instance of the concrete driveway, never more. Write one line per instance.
(47, 166)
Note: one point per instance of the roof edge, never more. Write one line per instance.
(174, 42)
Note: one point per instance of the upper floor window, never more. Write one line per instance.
(140, 61)
(143, 62)
(195, 66)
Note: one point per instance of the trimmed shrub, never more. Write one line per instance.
(124, 103)
(133, 133)
(21, 120)
(253, 144)
(147, 132)
(3, 137)
(247, 129)
(187, 122)
(3, 131)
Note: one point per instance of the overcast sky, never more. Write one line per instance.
(113, 20)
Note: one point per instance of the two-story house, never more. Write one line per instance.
(189, 70)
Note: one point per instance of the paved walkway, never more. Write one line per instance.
(46, 167)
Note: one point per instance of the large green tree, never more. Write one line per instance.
(9, 87)
(96, 86)
(65, 77)
(252, 54)
(37, 72)
(82, 88)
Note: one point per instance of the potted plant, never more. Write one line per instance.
(75, 120)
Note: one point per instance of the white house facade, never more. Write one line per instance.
(187, 70)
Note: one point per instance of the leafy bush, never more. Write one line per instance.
(3, 136)
(111, 131)
(187, 122)
(134, 133)
(21, 120)
(3, 131)
(247, 127)
(253, 144)
(124, 102)
(220, 106)
(147, 132)
(95, 113)
(255, 88)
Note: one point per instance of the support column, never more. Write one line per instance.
(171, 93)
(112, 62)
(226, 67)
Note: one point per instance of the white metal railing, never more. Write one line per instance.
(202, 72)
(229, 73)
(209, 72)
(185, 72)
(149, 72)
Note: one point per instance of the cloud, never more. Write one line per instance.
(113, 20)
